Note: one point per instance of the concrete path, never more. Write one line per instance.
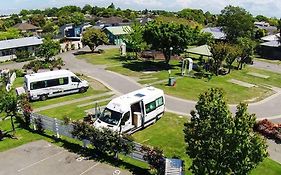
(267, 66)
(71, 101)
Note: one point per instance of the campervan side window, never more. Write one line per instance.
(37, 85)
(150, 107)
(153, 105)
(159, 101)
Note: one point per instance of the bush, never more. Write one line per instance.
(19, 73)
(155, 158)
(39, 125)
(23, 55)
(72, 46)
(269, 129)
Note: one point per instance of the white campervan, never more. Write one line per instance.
(53, 83)
(133, 111)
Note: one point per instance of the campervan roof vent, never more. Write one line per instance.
(139, 95)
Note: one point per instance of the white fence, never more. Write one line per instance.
(62, 129)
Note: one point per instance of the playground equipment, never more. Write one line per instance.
(185, 62)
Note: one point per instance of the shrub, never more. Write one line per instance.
(23, 55)
(19, 73)
(269, 129)
(155, 158)
(72, 46)
(39, 125)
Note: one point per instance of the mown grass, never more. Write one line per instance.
(168, 135)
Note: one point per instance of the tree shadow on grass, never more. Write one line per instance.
(148, 66)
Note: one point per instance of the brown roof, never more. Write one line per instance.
(112, 20)
(25, 26)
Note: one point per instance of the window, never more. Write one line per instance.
(63, 81)
(37, 85)
(150, 107)
(75, 79)
(53, 82)
(125, 118)
(159, 101)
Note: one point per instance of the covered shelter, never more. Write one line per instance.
(203, 50)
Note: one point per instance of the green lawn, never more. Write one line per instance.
(187, 87)
(90, 92)
(72, 111)
(167, 134)
(18, 82)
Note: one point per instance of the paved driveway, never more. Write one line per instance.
(43, 158)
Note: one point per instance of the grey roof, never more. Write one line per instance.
(216, 32)
(271, 44)
(20, 42)
(274, 37)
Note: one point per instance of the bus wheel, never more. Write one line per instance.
(82, 90)
(43, 97)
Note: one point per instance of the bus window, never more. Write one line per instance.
(53, 82)
(75, 79)
(63, 81)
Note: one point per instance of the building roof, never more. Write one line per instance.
(111, 20)
(274, 37)
(216, 32)
(271, 44)
(20, 42)
(25, 26)
(119, 30)
(201, 50)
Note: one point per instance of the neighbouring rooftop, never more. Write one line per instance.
(20, 42)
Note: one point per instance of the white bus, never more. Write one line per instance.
(133, 111)
(53, 83)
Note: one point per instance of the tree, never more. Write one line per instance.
(93, 38)
(48, 49)
(219, 54)
(219, 143)
(247, 51)
(193, 14)
(87, 9)
(233, 52)
(111, 6)
(37, 20)
(236, 22)
(169, 37)
(261, 18)
(135, 39)
(8, 105)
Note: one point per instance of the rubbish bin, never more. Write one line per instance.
(172, 81)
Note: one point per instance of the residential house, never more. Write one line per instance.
(267, 27)
(116, 33)
(8, 48)
(72, 32)
(112, 21)
(26, 27)
(216, 32)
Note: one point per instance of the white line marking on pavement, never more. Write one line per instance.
(90, 168)
(41, 161)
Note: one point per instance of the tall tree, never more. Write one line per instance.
(37, 20)
(8, 105)
(169, 37)
(93, 38)
(219, 143)
(219, 54)
(135, 39)
(247, 51)
(233, 52)
(48, 49)
(236, 22)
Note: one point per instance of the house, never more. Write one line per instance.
(26, 27)
(112, 21)
(270, 50)
(8, 48)
(266, 26)
(116, 33)
(73, 32)
(216, 32)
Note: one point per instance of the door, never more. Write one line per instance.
(75, 83)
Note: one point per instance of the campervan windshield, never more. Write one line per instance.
(110, 117)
